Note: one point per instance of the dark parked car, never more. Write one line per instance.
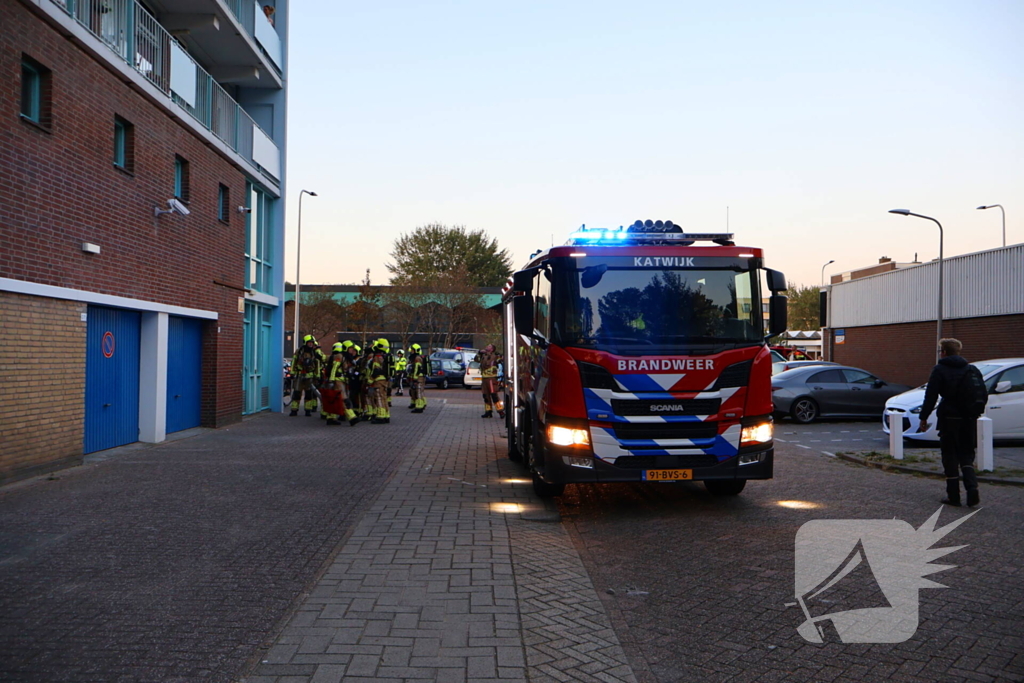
(813, 391)
(445, 373)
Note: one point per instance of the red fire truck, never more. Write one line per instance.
(638, 354)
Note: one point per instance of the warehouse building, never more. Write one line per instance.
(142, 221)
(886, 323)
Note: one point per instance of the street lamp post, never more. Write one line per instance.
(992, 206)
(823, 271)
(905, 212)
(298, 264)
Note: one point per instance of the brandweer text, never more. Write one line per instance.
(665, 364)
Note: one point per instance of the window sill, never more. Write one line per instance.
(124, 170)
(35, 124)
(222, 221)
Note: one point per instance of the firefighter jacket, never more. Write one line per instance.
(419, 366)
(379, 370)
(488, 364)
(339, 367)
(400, 364)
(308, 362)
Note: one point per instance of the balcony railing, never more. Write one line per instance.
(138, 38)
(255, 22)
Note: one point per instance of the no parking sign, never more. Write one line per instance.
(107, 344)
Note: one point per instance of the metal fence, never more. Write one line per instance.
(138, 38)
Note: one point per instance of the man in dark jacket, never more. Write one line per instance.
(957, 433)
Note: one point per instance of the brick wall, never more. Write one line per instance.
(905, 353)
(60, 188)
(42, 362)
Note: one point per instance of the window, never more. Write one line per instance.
(181, 178)
(542, 304)
(1015, 376)
(223, 204)
(35, 92)
(859, 377)
(827, 377)
(124, 145)
(259, 240)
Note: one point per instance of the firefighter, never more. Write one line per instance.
(306, 364)
(399, 376)
(489, 360)
(367, 393)
(389, 361)
(378, 377)
(418, 368)
(355, 379)
(330, 398)
(338, 380)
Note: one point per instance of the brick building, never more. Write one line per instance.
(886, 322)
(141, 217)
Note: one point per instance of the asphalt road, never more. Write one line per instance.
(701, 588)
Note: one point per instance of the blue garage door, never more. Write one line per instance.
(111, 378)
(184, 373)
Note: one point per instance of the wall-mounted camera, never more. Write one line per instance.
(175, 207)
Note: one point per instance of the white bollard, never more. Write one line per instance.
(986, 451)
(896, 435)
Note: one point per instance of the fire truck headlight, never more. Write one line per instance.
(755, 434)
(564, 436)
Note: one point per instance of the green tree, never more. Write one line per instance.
(803, 307)
(434, 251)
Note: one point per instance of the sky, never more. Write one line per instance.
(800, 124)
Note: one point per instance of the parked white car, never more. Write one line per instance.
(473, 378)
(1004, 378)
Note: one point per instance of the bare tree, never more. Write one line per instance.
(454, 291)
(321, 315)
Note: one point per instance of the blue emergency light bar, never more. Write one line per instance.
(646, 232)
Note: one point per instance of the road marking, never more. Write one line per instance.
(803, 446)
(814, 441)
(831, 455)
(845, 431)
(836, 440)
(778, 439)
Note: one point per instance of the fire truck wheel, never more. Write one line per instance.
(546, 490)
(725, 487)
(804, 410)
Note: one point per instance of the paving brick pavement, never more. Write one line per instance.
(697, 587)
(444, 580)
(178, 562)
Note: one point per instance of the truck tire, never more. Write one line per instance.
(725, 487)
(514, 454)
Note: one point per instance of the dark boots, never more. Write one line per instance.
(488, 413)
(293, 413)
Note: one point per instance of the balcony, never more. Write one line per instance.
(235, 35)
(137, 38)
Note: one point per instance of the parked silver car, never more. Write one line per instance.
(814, 391)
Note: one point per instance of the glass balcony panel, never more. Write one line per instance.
(129, 29)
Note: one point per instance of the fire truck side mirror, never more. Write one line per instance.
(523, 280)
(776, 280)
(522, 311)
(778, 305)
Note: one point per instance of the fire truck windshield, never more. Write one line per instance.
(631, 310)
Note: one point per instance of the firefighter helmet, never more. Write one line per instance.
(308, 338)
(416, 348)
(338, 346)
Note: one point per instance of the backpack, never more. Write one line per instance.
(971, 395)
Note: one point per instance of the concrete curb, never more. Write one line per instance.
(907, 469)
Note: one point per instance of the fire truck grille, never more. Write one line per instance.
(668, 462)
(667, 430)
(690, 406)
